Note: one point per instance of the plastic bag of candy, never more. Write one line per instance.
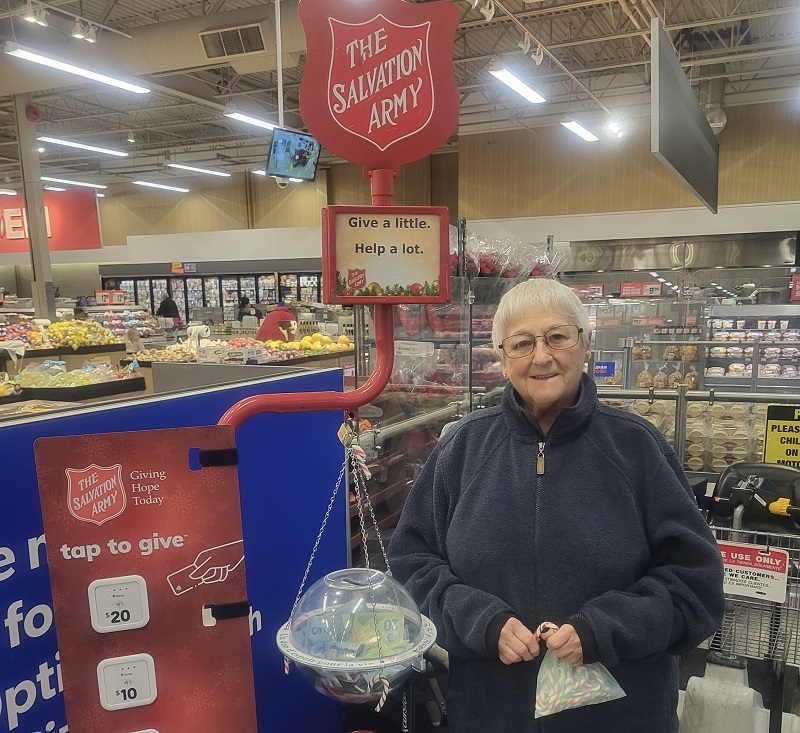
(562, 686)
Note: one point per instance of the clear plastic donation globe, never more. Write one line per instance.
(353, 629)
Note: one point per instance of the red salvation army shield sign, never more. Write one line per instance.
(95, 494)
(378, 88)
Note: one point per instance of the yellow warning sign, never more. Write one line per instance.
(782, 436)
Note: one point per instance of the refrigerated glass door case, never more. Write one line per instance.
(289, 287)
(247, 287)
(309, 288)
(194, 295)
(230, 298)
(267, 290)
(158, 287)
(143, 295)
(211, 287)
(129, 288)
(178, 287)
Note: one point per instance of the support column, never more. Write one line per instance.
(42, 285)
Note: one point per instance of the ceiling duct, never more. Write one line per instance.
(712, 96)
(228, 42)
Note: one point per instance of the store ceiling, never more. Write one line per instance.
(595, 62)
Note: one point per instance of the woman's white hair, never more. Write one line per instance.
(538, 294)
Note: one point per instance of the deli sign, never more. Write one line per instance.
(71, 220)
(379, 88)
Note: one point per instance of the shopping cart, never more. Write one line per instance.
(759, 504)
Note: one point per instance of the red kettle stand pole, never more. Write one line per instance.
(382, 185)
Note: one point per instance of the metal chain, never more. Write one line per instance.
(319, 537)
(362, 497)
(375, 525)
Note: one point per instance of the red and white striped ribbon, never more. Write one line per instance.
(384, 694)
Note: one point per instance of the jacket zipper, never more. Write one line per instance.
(539, 481)
(540, 461)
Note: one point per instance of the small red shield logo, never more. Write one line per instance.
(95, 494)
(380, 90)
(356, 278)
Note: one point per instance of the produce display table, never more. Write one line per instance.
(74, 358)
(88, 392)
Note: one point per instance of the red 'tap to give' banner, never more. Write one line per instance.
(71, 218)
(379, 88)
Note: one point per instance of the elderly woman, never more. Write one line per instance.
(555, 507)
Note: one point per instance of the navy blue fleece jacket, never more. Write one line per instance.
(609, 535)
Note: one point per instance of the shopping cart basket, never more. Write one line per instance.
(759, 504)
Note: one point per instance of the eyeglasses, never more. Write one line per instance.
(556, 338)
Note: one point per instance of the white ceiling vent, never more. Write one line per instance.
(237, 41)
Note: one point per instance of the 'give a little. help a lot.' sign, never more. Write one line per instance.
(379, 90)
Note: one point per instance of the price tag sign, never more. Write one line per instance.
(755, 571)
(127, 682)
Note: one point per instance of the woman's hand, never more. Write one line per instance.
(517, 643)
(564, 643)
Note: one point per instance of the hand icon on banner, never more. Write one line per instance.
(212, 565)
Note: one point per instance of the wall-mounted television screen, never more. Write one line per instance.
(293, 155)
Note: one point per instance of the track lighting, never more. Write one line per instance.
(77, 30)
(131, 138)
(488, 10)
(91, 34)
(538, 55)
(35, 14)
(525, 44)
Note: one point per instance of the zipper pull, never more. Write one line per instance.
(540, 461)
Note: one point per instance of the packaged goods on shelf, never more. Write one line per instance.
(413, 318)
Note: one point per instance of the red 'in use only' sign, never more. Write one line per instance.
(755, 571)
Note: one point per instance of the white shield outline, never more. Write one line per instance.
(427, 26)
(117, 467)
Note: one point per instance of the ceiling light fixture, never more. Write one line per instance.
(519, 86)
(40, 149)
(14, 49)
(54, 188)
(91, 34)
(72, 183)
(77, 30)
(616, 128)
(296, 180)
(161, 185)
(198, 170)
(653, 274)
(7, 192)
(82, 146)
(661, 279)
(259, 172)
(101, 195)
(230, 111)
(579, 130)
(30, 13)
(131, 138)
(525, 44)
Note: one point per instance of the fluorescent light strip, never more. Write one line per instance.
(580, 131)
(54, 188)
(161, 185)
(82, 146)
(101, 195)
(13, 49)
(519, 86)
(198, 170)
(72, 183)
(259, 172)
(250, 120)
(653, 274)
(300, 180)
(7, 192)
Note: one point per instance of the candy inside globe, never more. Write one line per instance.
(352, 630)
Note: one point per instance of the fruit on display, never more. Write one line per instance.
(77, 334)
(178, 354)
(119, 322)
(23, 331)
(51, 374)
(318, 343)
(240, 342)
(8, 387)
